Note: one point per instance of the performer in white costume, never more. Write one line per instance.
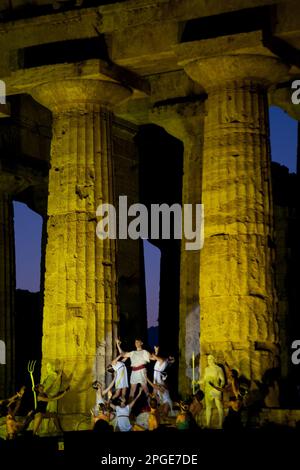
(139, 358)
(123, 411)
(159, 375)
(99, 395)
(121, 377)
(163, 396)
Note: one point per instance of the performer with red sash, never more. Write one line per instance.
(139, 358)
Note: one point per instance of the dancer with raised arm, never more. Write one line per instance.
(123, 411)
(100, 393)
(121, 377)
(139, 358)
(41, 412)
(160, 366)
(161, 391)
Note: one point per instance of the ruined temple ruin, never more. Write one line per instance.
(164, 101)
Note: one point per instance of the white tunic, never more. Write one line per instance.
(164, 397)
(159, 367)
(121, 375)
(139, 358)
(122, 418)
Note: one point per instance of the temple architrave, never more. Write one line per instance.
(161, 101)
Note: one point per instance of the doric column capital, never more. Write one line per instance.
(215, 72)
(67, 95)
(182, 120)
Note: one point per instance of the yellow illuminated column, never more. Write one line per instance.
(80, 308)
(238, 319)
(7, 295)
(185, 122)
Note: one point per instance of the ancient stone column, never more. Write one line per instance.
(80, 305)
(185, 122)
(7, 295)
(238, 321)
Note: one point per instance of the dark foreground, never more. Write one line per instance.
(209, 448)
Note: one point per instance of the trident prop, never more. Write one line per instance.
(193, 371)
(30, 368)
(194, 380)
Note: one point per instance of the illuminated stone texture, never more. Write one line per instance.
(238, 320)
(80, 309)
(185, 122)
(138, 43)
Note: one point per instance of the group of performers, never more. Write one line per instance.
(217, 382)
(12, 405)
(113, 409)
(116, 409)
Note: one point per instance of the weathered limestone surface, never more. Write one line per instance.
(238, 320)
(7, 293)
(139, 42)
(185, 122)
(80, 308)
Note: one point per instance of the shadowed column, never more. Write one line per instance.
(7, 295)
(185, 122)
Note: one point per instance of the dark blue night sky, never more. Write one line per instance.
(28, 225)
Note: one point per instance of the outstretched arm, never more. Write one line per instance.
(152, 384)
(114, 361)
(54, 398)
(155, 356)
(221, 389)
(121, 352)
(106, 390)
(11, 400)
(136, 398)
(118, 343)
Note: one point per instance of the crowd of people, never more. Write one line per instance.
(139, 403)
(116, 412)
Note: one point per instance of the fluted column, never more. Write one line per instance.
(185, 121)
(7, 294)
(80, 305)
(238, 321)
